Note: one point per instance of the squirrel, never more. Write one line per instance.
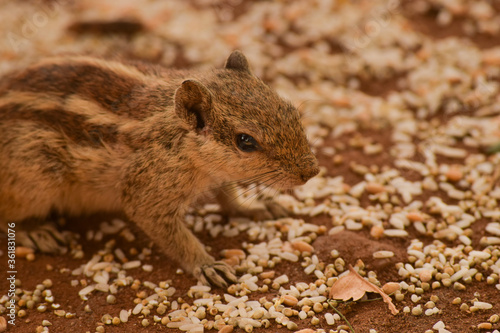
(81, 135)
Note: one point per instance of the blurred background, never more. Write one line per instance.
(333, 55)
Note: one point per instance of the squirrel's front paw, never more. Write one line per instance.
(217, 274)
(45, 238)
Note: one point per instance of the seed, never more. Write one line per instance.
(200, 313)
(377, 232)
(47, 283)
(318, 307)
(458, 286)
(41, 308)
(3, 324)
(116, 321)
(306, 330)
(415, 216)
(30, 257)
(329, 319)
(145, 322)
(107, 319)
(46, 323)
(485, 326)
(414, 298)
(456, 301)
(131, 264)
(123, 316)
(314, 321)
(22, 251)
(100, 329)
(111, 299)
(287, 312)
(430, 305)
(383, 254)
(483, 305)
(267, 275)
(416, 311)
(302, 246)
(494, 318)
(226, 329)
(281, 280)
(425, 275)
(395, 233)
(374, 188)
(391, 287)
(21, 313)
(60, 313)
(454, 173)
(233, 253)
(290, 300)
(464, 307)
(292, 326)
(248, 328)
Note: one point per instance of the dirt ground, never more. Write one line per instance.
(107, 29)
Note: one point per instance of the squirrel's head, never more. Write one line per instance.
(244, 130)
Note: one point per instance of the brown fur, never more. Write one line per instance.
(81, 135)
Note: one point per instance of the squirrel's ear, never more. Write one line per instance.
(193, 103)
(237, 61)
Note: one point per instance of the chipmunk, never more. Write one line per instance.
(81, 135)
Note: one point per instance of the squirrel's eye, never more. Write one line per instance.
(246, 143)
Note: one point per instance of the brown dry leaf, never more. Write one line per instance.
(354, 286)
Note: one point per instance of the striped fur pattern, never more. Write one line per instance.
(81, 135)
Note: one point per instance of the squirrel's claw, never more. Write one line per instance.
(266, 210)
(218, 274)
(276, 210)
(45, 238)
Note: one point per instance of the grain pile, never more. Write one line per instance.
(401, 103)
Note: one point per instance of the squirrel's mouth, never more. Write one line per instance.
(288, 181)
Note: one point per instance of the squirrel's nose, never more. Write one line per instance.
(309, 172)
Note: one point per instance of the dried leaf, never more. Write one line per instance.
(355, 286)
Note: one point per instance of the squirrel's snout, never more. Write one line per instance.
(308, 173)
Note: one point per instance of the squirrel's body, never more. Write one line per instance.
(80, 135)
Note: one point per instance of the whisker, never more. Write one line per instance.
(255, 186)
(234, 184)
(254, 197)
